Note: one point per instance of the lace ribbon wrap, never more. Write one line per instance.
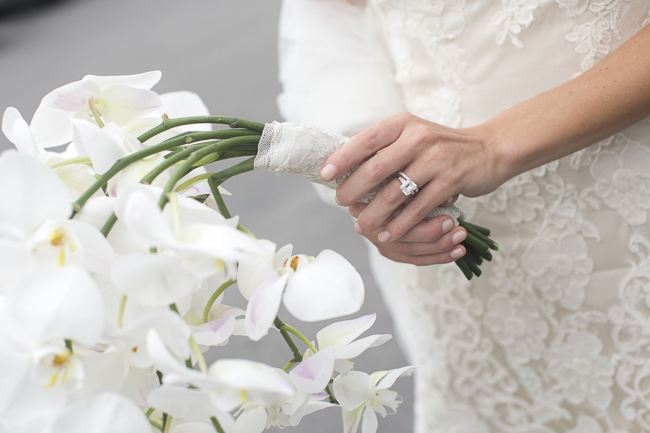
(301, 149)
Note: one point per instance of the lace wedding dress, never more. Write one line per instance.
(555, 335)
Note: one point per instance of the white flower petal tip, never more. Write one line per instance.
(18, 132)
(313, 374)
(327, 288)
(386, 379)
(242, 374)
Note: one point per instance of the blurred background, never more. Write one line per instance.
(224, 50)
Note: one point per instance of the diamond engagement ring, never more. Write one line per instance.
(408, 187)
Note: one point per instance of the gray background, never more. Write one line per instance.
(224, 50)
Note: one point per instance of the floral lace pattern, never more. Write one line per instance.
(555, 336)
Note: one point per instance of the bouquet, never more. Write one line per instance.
(117, 255)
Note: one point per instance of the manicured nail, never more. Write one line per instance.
(459, 236)
(358, 229)
(447, 225)
(336, 199)
(456, 253)
(383, 236)
(328, 172)
(449, 200)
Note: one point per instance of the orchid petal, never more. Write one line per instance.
(17, 131)
(254, 270)
(263, 307)
(181, 402)
(62, 304)
(351, 419)
(314, 373)
(153, 279)
(340, 334)
(369, 423)
(353, 389)
(123, 104)
(98, 255)
(103, 145)
(103, 372)
(139, 383)
(251, 421)
(36, 193)
(215, 332)
(183, 104)
(145, 80)
(356, 348)
(248, 375)
(386, 379)
(105, 413)
(328, 287)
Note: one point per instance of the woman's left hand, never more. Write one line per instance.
(443, 162)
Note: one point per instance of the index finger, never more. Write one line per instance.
(363, 145)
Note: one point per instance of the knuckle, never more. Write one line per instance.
(425, 135)
(392, 194)
(404, 116)
(418, 209)
(373, 170)
(404, 248)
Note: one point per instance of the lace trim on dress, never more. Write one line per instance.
(514, 16)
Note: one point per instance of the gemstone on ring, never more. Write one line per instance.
(408, 187)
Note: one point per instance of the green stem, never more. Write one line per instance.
(167, 422)
(245, 230)
(289, 365)
(192, 181)
(198, 155)
(216, 425)
(108, 226)
(329, 392)
(141, 154)
(233, 122)
(216, 179)
(471, 229)
(296, 353)
(155, 424)
(462, 264)
(476, 243)
(149, 412)
(213, 298)
(120, 314)
(68, 345)
(77, 160)
(298, 334)
(199, 356)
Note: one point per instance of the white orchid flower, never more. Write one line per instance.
(35, 232)
(314, 289)
(362, 396)
(116, 99)
(16, 129)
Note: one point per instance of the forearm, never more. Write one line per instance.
(609, 97)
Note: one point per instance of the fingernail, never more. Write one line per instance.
(383, 236)
(336, 199)
(357, 228)
(449, 200)
(459, 236)
(328, 172)
(456, 253)
(447, 225)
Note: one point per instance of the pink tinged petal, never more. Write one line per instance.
(351, 420)
(313, 374)
(51, 125)
(63, 304)
(123, 104)
(242, 374)
(369, 423)
(181, 402)
(17, 131)
(145, 80)
(343, 333)
(329, 287)
(215, 332)
(251, 421)
(356, 348)
(31, 193)
(296, 410)
(98, 255)
(104, 146)
(153, 279)
(173, 369)
(353, 389)
(263, 307)
(386, 379)
(105, 413)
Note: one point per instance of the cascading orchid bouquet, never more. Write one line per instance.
(115, 254)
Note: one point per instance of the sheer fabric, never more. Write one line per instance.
(555, 335)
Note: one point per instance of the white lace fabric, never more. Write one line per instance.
(554, 337)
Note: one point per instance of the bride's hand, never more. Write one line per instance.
(431, 242)
(442, 162)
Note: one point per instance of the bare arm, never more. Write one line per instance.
(611, 96)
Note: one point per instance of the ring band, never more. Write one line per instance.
(408, 187)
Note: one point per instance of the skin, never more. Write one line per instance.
(444, 162)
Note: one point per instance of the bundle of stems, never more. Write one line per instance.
(191, 150)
